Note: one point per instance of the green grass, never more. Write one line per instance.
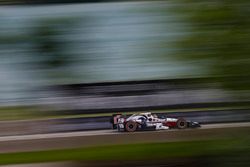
(18, 112)
(156, 151)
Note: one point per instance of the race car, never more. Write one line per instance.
(149, 121)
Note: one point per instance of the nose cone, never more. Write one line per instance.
(195, 124)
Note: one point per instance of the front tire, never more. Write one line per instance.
(182, 123)
(131, 126)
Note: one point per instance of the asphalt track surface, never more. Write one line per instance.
(65, 140)
(64, 125)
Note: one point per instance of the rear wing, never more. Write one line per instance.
(114, 120)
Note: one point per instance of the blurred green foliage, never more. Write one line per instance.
(50, 47)
(218, 36)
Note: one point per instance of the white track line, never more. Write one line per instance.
(56, 135)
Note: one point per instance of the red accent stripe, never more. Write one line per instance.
(170, 124)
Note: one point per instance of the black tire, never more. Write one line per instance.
(182, 123)
(131, 126)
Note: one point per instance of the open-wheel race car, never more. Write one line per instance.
(149, 121)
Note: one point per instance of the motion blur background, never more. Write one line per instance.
(69, 65)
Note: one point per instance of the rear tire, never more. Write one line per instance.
(131, 126)
(182, 123)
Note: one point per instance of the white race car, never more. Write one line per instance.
(149, 121)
